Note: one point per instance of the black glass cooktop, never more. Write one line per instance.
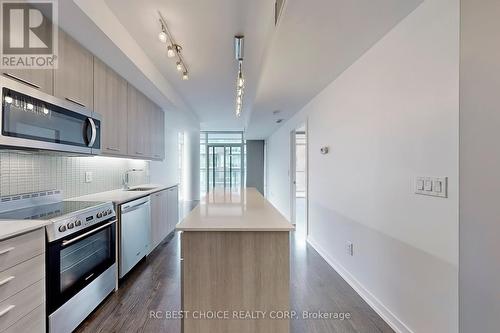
(46, 212)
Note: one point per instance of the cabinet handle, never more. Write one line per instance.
(139, 153)
(75, 101)
(8, 279)
(112, 148)
(22, 80)
(7, 309)
(7, 250)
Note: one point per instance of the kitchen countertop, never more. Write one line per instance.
(120, 196)
(11, 228)
(245, 210)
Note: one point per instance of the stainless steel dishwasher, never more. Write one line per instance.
(135, 233)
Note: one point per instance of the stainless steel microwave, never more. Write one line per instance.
(31, 119)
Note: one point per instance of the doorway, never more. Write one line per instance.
(224, 165)
(299, 180)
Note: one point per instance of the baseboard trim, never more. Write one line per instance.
(390, 318)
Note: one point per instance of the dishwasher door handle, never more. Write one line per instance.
(127, 209)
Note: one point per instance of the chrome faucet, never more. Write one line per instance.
(125, 179)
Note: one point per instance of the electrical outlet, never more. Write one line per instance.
(88, 176)
(349, 248)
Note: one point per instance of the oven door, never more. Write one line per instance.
(33, 119)
(75, 261)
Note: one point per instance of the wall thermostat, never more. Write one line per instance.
(324, 150)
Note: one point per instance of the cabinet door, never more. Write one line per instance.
(110, 100)
(73, 79)
(136, 132)
(173, 208)
(158, 133)
(147, 118)
(41, 79)
(156, 213)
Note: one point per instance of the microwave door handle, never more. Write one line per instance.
(94, 132)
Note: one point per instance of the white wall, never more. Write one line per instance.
(167, 171)
(479, 166)
(391, 116)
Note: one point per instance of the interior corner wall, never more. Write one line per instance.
(479, 166)
(255, 165)
(391, 116)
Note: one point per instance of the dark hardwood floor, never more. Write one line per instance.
(154, 286)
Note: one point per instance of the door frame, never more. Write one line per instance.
(293, 175)
(224, 145)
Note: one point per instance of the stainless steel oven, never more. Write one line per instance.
(81, 268)
(75, 261)
(31, 119)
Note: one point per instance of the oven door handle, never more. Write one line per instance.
(67, 242)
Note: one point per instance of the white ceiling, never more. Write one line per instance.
(316, 40)
(205, 30)
(285, 66)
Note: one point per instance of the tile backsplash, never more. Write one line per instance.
(22, 172)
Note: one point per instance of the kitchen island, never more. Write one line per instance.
(235, 265)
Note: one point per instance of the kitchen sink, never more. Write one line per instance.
(141, 189)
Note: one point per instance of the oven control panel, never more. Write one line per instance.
(79, 221)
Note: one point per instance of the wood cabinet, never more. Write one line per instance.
(41, 79)
(157, 136)
(137, 123)
(158, 217)
(73, 79)
(22, 282)
(164, 214)
(172, 208)
(110, 100)
(235, 270)
(145, 127)
(132, 124)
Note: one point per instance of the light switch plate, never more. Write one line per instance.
(432, 186)
(349, 248)
(88, 176)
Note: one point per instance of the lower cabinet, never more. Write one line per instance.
(22, 283)
(164, 214)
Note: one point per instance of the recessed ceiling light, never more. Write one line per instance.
(279, 121)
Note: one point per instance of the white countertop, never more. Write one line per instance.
(246, 210)
(120, 196)
(11, 228)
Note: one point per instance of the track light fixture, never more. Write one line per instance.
(240, 81)
(173, 49)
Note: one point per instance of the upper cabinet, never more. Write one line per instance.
(110, 100)
(132, 124)
(73, 79)
(41, 79)
(157, 133)
(137, 123)
(145, 132)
